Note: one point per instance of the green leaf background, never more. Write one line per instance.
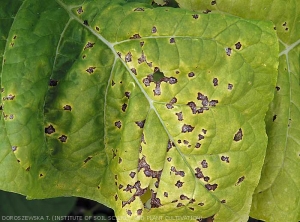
(277, 196)
(150, 111)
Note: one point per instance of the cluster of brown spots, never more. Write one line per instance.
(225, 159)
(63, 138)
(89, 45)
(238, 45)
(177, 172)
(53, 82)
(147, 170)
(170, 104)
(50, 129)
(91, 69)
(135, 36)
(238, 136)
(155, 201)
(211, 186)
(285, 25)
(180, 116)
(9, 97)
(199, 174)
(87, 159)
(138, 192)
(118, 124)
(170, 145)
(187, 128)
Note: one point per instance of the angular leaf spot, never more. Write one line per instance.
(179, 184)
(155, 202)
(274, 117)
(228, 51)
(211, 186)
(129, 212)
(9, 97)
(191, 74)
(63, 138)
(140, 123)
(223, 201)
(127, 94)
(85, 22)
(172, 40)
(187, 128)
(91, 69)
(88, 45)
(180, 116)
(277, 88)
(154, 30)
(241, 179)
(132, 174)
(213, 2)
(238, 45)
(230, 86)
(124, 106)
(225, 158)
(172, 80)
(215, 81)
(197, 145)
(118, 124)
(199, 173)
(67, 107)
(238, 136)
(87, 159)
(166, 194)
(50, 129)
(204, 164)
(157, 90)
(80, 10)
(195, 16)
(135, 36)
(53, 82)
(213, 102)
(128, 57)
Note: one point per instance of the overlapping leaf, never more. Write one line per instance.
(278, 196)
(153, 112)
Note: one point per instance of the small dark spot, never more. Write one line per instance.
(180, 116)
(286, 29)
(241, 179)
(192, 208)
(213, 102)
(211, 186)
(215, 81)
(89, 45)
(183, 197)
(67, 107)
(206, 11)
(195, 16)
(213, 2)
(118, 124)
(18, 161)
(15, 37)
(238, 136)
(228, 51)
(238, 45)
(199, 173)
(274, 27)
(154, 30)
(135, 36)
(142, 43)
(138, 10)
(124, 106)
(179, 183)
(200, 137)
(127, 94)
(172, 80)
(80, 10)
(191, 74)
(284, 24)
(28, 168)
(14, 148)
(178, 141)
(139, 212)
(84, 56)
(206, 179)
(120, 160)
(174, 201)
(197, 145)
(223, 201)
(129, 212)
(63, 138)
(128, 57)
(85, 22)
(274, 117)
(277, 88)
(50, 129)
(230, 86)
(41, 175)
(187, 128)
(87, 159)
(166, 194)
(119, 54)
(133, 70)
(1, 107)
(91, 69)
(140, 123)
(204, 164)
(53, 82)
(204, 131)
(120, 186)
(172, 40)
(225, 158)
(113, 83)
(97, 28)
(201, 204)
(1, 90)
(169, 159)
(12, 44)
(185, 142)
(179, 205)
(132, 174)
(116, 197)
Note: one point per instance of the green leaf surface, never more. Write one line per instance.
(15, 207)
(277, 196)
(151, 111)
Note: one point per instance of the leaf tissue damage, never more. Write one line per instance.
(152, 109)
